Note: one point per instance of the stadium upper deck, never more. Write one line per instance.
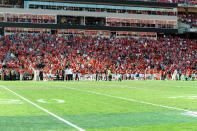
(94, 16)
(167, 3)
(116, 15)
(129, 2)
(157, 3)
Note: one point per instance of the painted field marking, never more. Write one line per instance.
(130, 99)
(194, 114)
(187, 86)
(50, 101)
(192, 97)
(130, 87)
(10, 101)
(174, 97)
(16, 101)
(140, 88)
(45, 110)
(185, 97)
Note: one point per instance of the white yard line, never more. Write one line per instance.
(187, 86)
(41, 108)
(140, 88)
(130, 99)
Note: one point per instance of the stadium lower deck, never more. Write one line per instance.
(98, 106)
(22, 54)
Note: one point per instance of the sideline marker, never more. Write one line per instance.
(194, 114)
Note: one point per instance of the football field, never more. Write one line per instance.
(98, 106)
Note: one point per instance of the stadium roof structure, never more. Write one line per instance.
(153, 3)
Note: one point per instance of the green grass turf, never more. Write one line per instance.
(87, 107)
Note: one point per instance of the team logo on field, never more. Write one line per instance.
(194, 114)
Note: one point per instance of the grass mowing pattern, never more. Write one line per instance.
(94, 112)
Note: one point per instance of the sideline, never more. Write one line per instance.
(52, 114)
(130, 99)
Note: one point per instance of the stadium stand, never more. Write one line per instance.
(190, 18)
(88, 54)
(127, 37)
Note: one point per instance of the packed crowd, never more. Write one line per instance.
(91, 54)
(30, 18)
(141, 23)
(108, 10)
(190, 18)
(190, 2)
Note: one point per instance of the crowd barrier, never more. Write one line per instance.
(102, 77)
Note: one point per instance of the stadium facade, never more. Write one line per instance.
(119, 17)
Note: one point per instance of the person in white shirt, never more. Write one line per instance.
(119, 76)
(66, 74)
(69, 74)
(174, 76)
